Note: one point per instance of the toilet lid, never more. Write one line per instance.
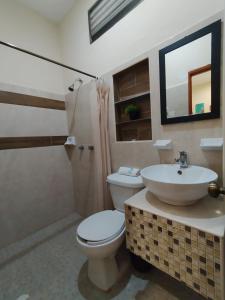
(101, 226)
(126, 181)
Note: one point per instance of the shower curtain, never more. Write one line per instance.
(103, 145)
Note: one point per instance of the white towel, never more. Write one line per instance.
(129, 171)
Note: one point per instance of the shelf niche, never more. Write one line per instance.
(131, 86)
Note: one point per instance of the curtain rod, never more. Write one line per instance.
(46, 59)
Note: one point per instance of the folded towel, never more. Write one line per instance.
(129, 171)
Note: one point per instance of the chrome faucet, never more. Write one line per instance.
(183, 159)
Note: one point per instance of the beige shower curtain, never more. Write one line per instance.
(103, 146)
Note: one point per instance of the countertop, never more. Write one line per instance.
(208, 214)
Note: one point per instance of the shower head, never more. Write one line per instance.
(72, 86)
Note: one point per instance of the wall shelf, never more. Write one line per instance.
(133, 121)
(215, 144)
(163, 144)
(132, 97)
(131, 86)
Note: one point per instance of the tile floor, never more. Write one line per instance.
(56, 270)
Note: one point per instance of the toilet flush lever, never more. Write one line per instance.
(215, 190)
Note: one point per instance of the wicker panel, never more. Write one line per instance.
(185, 253)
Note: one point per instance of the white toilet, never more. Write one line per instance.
(100, 235)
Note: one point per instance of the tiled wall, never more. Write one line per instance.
(80, 109)
(185, 136)
(36, 183)
(185, 253)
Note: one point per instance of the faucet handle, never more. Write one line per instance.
(183, 159)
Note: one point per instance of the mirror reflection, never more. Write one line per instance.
(188, 78)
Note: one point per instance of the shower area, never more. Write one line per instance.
(45, 176)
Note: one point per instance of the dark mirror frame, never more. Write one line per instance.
(215, 30)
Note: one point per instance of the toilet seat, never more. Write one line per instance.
(101, 227)
(102, 242)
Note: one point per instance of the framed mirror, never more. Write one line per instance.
(190, 77)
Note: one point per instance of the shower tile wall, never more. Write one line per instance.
(83, 162)
(36, 183)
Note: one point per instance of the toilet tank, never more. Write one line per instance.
(122, 187)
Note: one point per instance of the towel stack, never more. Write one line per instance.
(129, 171)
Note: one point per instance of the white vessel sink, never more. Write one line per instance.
(165, 182)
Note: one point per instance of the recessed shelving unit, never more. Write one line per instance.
(131, 86)
(132, 121)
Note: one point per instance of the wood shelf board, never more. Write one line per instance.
(132, 97)
(133, 121)
(133, 86)
(134, 140)
(29, 100)
(31, 142)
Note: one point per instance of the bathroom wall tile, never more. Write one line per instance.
(185, 136)
(84, 163)
(35, 184)
(36, 190)
(29, 91)
(16, 120)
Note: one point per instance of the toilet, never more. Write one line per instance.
(101, 235)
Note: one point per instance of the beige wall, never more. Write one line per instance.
(137, 154)
(36, 184)
(184, 136)
(84, 163)
(35, 190)
(147, 25)
(27, 29)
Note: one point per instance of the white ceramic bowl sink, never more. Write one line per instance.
(169, 186)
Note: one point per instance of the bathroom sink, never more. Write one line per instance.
(177, 186)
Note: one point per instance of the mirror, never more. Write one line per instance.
(190, 77)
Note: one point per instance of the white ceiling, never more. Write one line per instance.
(54, 10)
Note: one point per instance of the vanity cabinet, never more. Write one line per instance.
(192, 256)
